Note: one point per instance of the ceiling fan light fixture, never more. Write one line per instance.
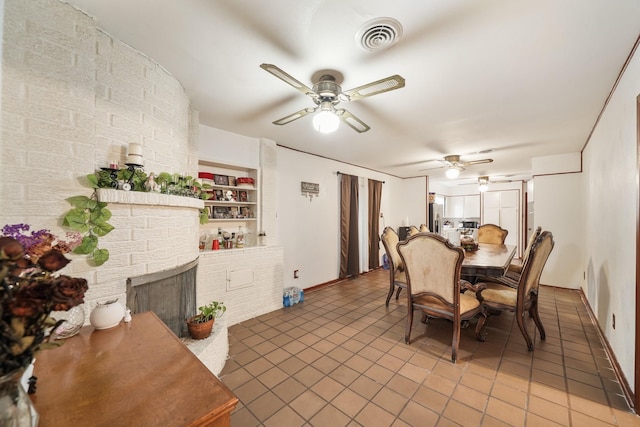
(453, 172)
(483, 183)
(326, 121)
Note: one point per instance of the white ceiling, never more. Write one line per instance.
(519, 77)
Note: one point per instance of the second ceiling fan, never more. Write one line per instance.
(327, 94)
(454, 165)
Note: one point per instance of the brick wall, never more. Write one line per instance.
(260, 293)
(73, 98)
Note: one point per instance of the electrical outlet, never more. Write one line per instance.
(381, 215)
(296, 274)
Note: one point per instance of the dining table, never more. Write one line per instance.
(488, 260)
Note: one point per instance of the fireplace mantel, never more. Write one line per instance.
(109, 195)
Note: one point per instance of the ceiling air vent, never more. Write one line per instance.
(378, 34)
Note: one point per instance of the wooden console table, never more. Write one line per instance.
(135, 374)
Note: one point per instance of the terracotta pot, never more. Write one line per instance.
(199, 331)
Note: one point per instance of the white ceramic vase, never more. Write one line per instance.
(107, 315)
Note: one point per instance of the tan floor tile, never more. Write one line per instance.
(590, 408)
(390, 401)
(440, 384)
(430, 399)
(417, 415)
(284, 417)
(471, 397)
(308, 376)
(273, 377)
(374, 416)
(344, 375)
(546, 409)
(327, 388)
(308, 404)
(509, 395)
(580, 419)
(349, 402)
(258, 366)
(289, 389)
(330, 416)
(462, 414)
(552, 394)
(505, 412)
(358, 363)
(245, 418)
(403, 385)
(379, 374)
(250, 391)
(365, 387)
(476, 382)
(265, 406)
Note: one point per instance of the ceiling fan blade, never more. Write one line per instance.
(288, 79)
(433, 168)
(374, 88)
(294, 116)
(477, 162)
(351, 120)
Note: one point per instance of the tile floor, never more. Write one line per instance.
(339, 359)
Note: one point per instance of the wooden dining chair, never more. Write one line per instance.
(424, 228)
(413, 230)
(432, 266)
(397, 277)
(491, 233)
(512, 276)
(515, 270)
(522, 299)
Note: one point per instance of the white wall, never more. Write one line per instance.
(610, 208)
(558, 209)
(309, 230)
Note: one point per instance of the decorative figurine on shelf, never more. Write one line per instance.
(151, 184)
(229, 196)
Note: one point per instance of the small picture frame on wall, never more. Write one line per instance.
(221, 179)
(233, 212)
(242, 196)
(231, 181)
(218, 195)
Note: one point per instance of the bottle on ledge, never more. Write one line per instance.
(240, 238)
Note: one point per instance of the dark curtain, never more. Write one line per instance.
(349, 252)
(375, 194)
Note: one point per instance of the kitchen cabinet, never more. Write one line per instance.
(462, 206)
(454, 207)
(503, 208)
(472, 206)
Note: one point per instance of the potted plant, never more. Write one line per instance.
(201, 324)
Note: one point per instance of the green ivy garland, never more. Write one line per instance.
(90, 217)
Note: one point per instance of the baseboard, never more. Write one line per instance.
(628, 394)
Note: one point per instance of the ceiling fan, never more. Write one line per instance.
(327, 94)
(454, 165)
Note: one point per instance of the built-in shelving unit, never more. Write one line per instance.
(232, 204)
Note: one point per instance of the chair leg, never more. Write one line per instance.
(391, 289)
(533, 313)
(481, 321)
(523, 329)
(455, 342)
(407, 332)
(398, 293)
